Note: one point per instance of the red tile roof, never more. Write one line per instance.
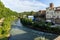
(42, 11)
(57, 9)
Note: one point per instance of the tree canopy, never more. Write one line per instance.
(5, 12)
(8, 16)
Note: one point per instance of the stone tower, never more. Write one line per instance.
(51, 5)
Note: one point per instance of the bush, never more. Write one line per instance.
(41, 25)
(26, 21)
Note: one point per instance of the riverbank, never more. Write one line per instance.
(6, 27)
(38, 29)
(20, 32)
(40, 26)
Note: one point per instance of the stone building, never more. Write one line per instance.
(53, 13)
(40, 14)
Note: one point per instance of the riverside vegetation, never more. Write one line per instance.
(8, 16)
(41, 25)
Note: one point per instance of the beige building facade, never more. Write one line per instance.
(53, 13)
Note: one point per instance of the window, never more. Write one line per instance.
(47, 12)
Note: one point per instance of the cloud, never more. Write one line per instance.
(24, 5)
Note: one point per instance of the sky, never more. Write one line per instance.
(29, 5)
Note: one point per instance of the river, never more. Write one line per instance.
(20, 32)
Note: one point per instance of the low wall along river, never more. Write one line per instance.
(19, 32)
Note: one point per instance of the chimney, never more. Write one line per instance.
(51, 5)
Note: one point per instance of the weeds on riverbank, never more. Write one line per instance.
(41, 25)
(6, 26)
(8, 16)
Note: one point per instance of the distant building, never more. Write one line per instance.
(31, 17)
(40, 15)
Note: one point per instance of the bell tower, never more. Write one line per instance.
(51, 5)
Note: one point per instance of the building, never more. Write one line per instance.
(31, 17)
(40, 14)
(50, 12)
(53, 13)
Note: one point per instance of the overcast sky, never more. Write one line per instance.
(29, 5)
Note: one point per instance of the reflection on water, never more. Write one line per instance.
(17, 31)
(20, 32)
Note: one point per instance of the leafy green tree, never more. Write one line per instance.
(9, 16)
